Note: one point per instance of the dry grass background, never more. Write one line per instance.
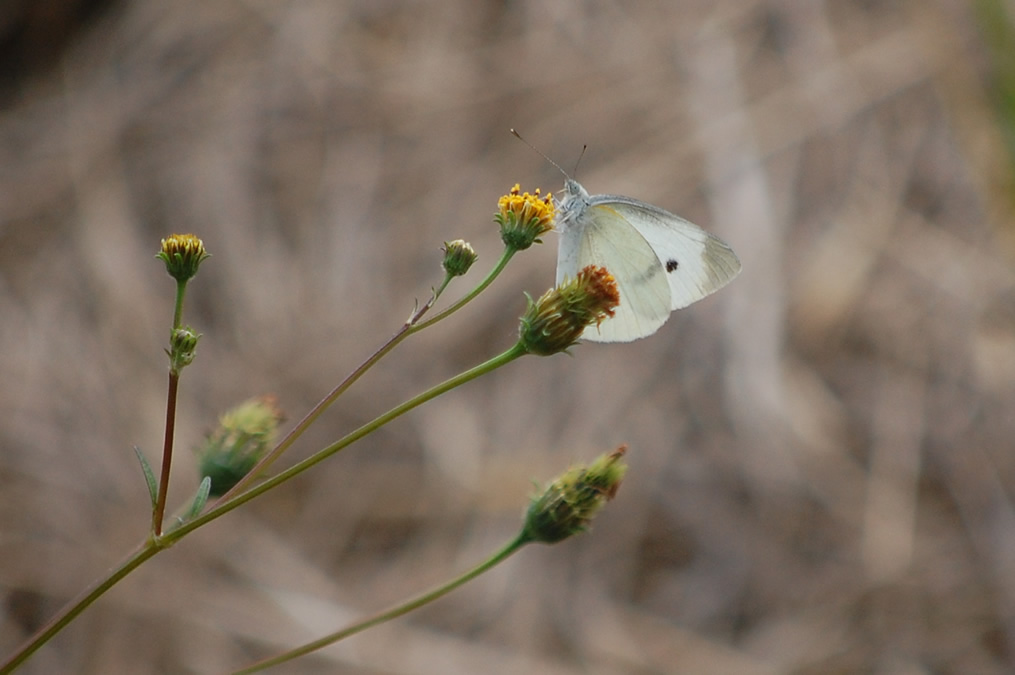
(821, 455)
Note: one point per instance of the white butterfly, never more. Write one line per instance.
(661, 262)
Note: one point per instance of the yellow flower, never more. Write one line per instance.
(524, 217)
(556, 321)
(183, 254)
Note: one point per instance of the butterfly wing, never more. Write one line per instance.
(694, 262)
(601, 235)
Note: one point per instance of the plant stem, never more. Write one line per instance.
(167, 453)
(497, 269)
(167, 448)
(158, 541)
(181, 290)
(223, 507)
(410, 327)
(72, 609)
(325, 402)
(504, 553)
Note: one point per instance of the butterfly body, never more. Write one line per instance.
(661, 262)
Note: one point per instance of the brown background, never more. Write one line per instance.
(821, 454)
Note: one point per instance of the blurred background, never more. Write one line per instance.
(822, 464)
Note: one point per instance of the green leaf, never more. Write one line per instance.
(200, 499)
(149, 476)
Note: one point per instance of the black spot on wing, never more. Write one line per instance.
(671, 265)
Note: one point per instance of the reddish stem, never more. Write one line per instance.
(167, 454)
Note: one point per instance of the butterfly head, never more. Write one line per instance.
(573, 203)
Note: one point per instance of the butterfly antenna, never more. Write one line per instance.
(584, 148)
(538, 152)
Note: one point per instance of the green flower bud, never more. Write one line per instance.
(244, 434)
(458, 257)
(182, 348)
(569, 503)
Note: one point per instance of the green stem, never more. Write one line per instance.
(224, 507)
(154, 545)
(408, 328)
(181, 290)
(157, 542)
(494, 273)
(503, 554)
(326, 402)
(70, 612)
(997, 26)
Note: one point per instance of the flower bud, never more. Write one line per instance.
(523, 218)
(458, 257)
(244, 434)
(183, 254)
(569, 503)
(556, 321)
(182, 348)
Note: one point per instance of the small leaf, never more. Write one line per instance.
(153, 487)
(200, 499)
